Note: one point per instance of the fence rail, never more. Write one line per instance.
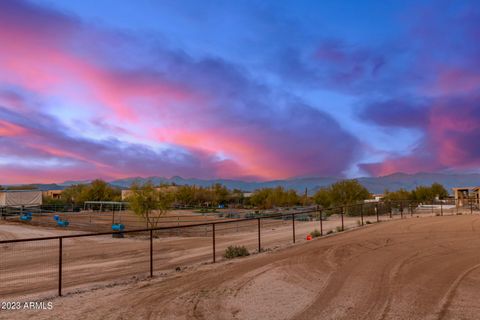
(42, 252)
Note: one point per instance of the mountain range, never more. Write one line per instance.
(373, 184)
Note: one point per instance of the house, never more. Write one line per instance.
(375, 198)
(52, 194)
(465, 196)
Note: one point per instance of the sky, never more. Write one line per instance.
(252, 90)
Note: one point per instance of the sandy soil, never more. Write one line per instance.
(426, 268)
(95, 221)
(30, 269)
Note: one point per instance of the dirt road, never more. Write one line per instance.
(427, 268)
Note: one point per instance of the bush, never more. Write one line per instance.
(315, 233)
(368, 222)
(236, 251)
(338, 229)
(330, 232)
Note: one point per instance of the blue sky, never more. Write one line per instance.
(237, 89)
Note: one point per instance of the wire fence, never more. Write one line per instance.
(45, 266)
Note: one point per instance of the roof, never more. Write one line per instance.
(466, 188)
(20, 191)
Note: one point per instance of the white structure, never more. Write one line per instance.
(18, 198)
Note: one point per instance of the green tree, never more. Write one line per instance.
(424, 193)
(267, 198)
(220, 194)
(323, 197)
(400, 194)
(347, 192)
(185, 195)
(99, 190)
(344, 192)
(149, 203)
(439, 191)
(75, 194)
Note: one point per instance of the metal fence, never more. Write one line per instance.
(67, 263)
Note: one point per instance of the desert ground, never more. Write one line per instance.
(30, 269)
(415, 268)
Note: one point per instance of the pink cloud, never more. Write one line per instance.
(217, 121)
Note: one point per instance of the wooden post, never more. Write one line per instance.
(60, 262)
(213, 241)
(293, 227)
(259, 238)
(361, 212)
(321, 223)
(151, 253)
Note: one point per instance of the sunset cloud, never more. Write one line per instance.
(85, 96)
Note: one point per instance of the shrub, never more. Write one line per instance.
(315, 233)
(368, 222)
(359, 223)
(236, 251)
(338, 229)
(330, 232)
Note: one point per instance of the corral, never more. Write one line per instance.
(29, 270)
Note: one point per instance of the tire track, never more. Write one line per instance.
(448, 297)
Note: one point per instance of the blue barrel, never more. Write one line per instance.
(56, 217)
(118, 227)
(24, 217)
(63, 223)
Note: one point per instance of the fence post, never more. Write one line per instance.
(361, 212)
(441, 209)
(471, 207)
(376, 211)
(293, 226)
(60, 262)
(213, 241)
(151, 253)
(390, 209)
(341, 214)
(259, 239)
(321, 223)
(401, 210)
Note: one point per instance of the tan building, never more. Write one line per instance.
(53, 194)
(464, 196)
